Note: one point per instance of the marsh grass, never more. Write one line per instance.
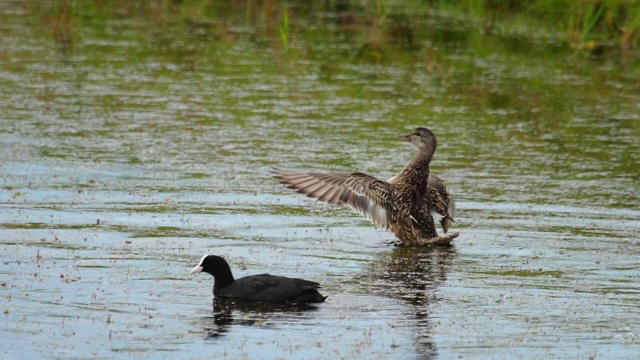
(284, 28)
(583, 24)
(381, 25)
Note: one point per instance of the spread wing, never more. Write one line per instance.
(360, 192)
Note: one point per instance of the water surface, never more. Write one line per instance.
(136, 139)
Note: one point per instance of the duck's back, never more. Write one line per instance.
(270, 288)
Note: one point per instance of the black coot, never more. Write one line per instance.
(263, 287)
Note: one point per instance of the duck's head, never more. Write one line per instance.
(422, 138)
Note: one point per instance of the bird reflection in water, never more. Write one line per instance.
(419, 270)
(413, 275)
(233, 312)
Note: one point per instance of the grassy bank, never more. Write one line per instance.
(587, 24)
(596, 26)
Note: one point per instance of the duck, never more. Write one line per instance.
(404, 204)
(439, 201)
(259, 288)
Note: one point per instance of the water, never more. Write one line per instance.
(135, 140)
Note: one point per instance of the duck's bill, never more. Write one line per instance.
(404, 138)
(196, 270)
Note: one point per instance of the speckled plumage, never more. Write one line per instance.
(403, 204)
(439, 199)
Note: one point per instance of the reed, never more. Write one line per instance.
(284, 28)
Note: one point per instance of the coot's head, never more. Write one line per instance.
(212, 264)
(422, 138)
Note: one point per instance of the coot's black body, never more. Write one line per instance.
(263, 287)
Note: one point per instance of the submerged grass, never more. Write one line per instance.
(527, 273)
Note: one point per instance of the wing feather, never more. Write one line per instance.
(361, 192)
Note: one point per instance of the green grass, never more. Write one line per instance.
(581, 24)
(588, 24)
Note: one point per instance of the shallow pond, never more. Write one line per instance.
(135, 139)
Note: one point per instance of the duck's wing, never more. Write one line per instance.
(361, 192)
(440, 201)
(441, 197)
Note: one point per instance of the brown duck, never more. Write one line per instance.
(403, 204)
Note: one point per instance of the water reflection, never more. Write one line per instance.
(100, 120)
(229, 312)
(413, 275)
(419, 270)
(216, 326)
